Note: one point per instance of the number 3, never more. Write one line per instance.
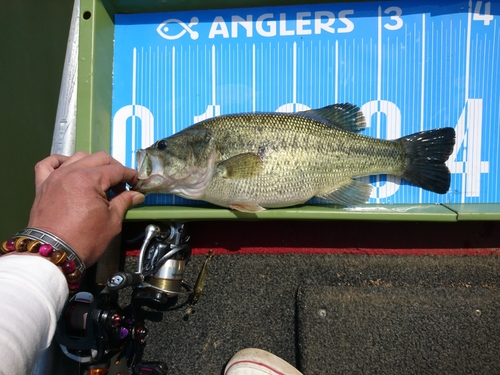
(396, 18)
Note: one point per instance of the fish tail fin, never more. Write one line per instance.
(427, 153)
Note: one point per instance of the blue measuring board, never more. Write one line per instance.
(409, 67)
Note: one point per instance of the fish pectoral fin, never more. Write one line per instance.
(346, 116)
(351, 193)
(251, 208)
(241, 166)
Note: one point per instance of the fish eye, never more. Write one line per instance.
(161, 145)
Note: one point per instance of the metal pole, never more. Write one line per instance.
(63, 141)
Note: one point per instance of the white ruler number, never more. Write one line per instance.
(469, 137)
(396, 17)
(141, 118)
(468, 130)
(393, 131)
(486, 17)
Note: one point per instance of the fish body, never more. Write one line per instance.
(253, 161)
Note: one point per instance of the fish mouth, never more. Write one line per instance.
(144, 164)
(150, 172)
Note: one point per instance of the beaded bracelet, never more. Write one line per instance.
(33, 240)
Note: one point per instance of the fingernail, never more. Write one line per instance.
(138, 199)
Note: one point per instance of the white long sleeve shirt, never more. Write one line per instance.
(32, 295)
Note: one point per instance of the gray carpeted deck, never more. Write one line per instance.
(396, 330)
(339, 314)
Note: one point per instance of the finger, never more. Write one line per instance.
(120, 203)
(115, 174)
(48, 165)
(95, 160)
(75, 157)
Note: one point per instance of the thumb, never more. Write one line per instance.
(122, 202)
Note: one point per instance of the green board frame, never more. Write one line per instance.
(93, 133)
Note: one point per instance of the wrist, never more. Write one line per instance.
(45, 244)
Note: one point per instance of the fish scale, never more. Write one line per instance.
(253, 161)
(295, 142)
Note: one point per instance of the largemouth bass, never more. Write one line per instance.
(252, 161)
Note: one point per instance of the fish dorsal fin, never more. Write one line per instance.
(240, 166)
(351, 193)
(346, 116)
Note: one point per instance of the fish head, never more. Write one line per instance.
(181, 164)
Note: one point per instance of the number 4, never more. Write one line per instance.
(469, 137)
(486, 17)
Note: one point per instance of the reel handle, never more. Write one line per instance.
(121, 280)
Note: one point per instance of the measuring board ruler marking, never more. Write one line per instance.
(410, 68)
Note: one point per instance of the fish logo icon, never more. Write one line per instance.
(164, 29)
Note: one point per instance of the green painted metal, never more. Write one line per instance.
(431, 212)
(477, 211)
(95, 72)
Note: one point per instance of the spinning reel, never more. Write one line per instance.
(108, 339)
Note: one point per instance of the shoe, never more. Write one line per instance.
(258, 362)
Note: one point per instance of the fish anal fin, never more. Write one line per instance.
(346, 116)
(251, 208)
(241, 166)
(351, 193)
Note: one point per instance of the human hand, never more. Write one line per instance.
(71, 201)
